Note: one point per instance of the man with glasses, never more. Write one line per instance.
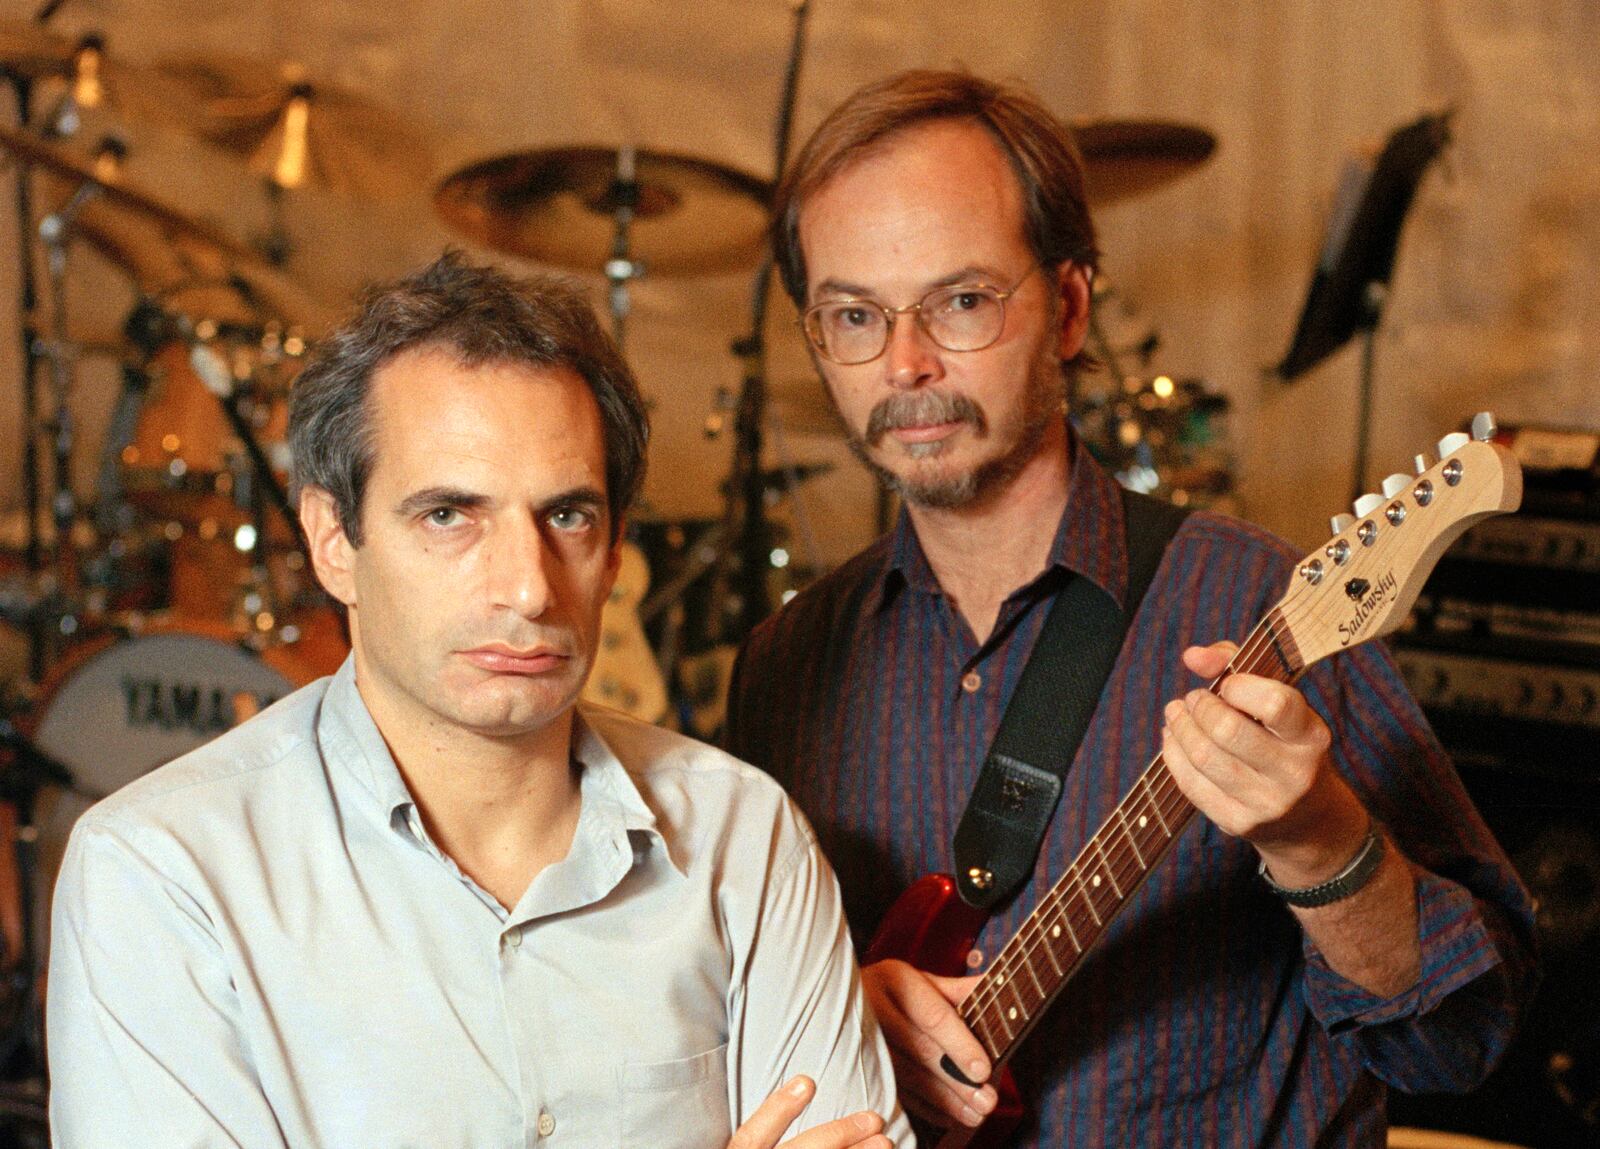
(934, 234)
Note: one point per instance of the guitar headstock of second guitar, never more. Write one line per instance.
(1362, 583)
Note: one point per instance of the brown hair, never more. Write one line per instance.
(1039, 146)
(484, 316)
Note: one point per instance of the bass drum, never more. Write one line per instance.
(115, 710)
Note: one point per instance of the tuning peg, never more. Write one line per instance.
(1366, 504)
(1342, 523)
(1483, 426)
(1420, 463)
(1453, 442)
(1395, 484)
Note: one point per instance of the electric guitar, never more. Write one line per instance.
(1358, 586)
(626, 675)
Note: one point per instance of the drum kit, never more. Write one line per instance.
(177, 598)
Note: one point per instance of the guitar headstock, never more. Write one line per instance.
(1362, 583)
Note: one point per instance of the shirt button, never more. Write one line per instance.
(971, 681)
(514, 938)
(547, 1125)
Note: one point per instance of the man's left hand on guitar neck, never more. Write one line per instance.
(1255, 760)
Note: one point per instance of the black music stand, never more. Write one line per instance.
(1350, 283)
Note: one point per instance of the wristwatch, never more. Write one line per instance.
(1356, 874)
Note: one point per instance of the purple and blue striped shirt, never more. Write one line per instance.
(1204, 1017)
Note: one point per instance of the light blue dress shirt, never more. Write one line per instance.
(258, 945)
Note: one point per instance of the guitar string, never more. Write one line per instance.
(1257, 651)
(1117, 861)
(1254, 654)
(1249, 658)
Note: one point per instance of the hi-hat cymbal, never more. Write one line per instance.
(296, 132)
(1126, 158)
(558, 205)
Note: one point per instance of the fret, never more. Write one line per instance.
(1105, 865)
(1083, 894)
(978, 1022)
(1047, 940)
(1127, 833)
(1283, 645)
(1011, 1014)
(1065, 919)
(1155, 804)
(1027, 964)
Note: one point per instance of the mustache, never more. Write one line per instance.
(920, 409)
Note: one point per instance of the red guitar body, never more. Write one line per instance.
(930, 927)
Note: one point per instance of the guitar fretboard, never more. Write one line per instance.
(1045, 951)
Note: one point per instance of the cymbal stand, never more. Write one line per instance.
(27, 304)
(261, 489)
(623, 197)
(745, 518)
(55, 230)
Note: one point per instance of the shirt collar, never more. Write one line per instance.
(352, 739)
(1090, 539)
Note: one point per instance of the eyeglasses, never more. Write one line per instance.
(963, 317)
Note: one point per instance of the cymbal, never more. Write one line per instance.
(1127, 158)
(185, 263)
(557, 205)
(76, 170)
(97, 80)
(296, 132)
(188, 276)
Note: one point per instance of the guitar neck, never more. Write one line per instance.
(1047, 949)
(1355, 588)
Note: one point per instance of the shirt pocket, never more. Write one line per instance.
(672, 1104)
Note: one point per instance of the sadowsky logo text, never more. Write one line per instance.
(1381, 592)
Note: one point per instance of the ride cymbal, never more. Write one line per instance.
(558, 206)
(1127, 158)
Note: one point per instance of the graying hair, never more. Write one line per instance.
(485, 316)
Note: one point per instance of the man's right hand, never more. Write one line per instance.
(917, 1012)
(778, 1111)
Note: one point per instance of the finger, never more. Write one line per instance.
(918, 1014)
(932, 1096)
(930, 1006)
(856, 1130)
(1201, 751)
(773, 1116)
(1213, 801)
(1275, 705)
(1209, 661)
(1238, 738)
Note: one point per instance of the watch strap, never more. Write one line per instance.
(1356, 874)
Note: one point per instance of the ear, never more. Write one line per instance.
(332, 555)
(1073, 286)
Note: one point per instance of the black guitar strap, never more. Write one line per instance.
(1020, 784)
